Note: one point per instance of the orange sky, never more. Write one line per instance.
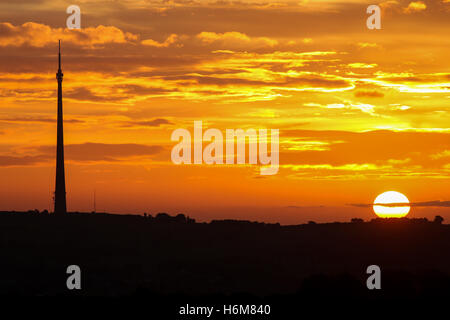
(359, 111)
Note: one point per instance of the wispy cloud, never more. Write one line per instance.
(38, 120)
(369, 94)
(83, 152)
(39, 35)
(434, 203)
(171, 40)
(13, 161)
(235, 40)
(148, 123)
(90, 151)
(415, 6)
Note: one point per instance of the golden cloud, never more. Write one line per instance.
(369, 94)
(39, 35)
(359, 65)
(172, 39)
(416, 6)
(363, 45)
(388, 4)
(235, 39)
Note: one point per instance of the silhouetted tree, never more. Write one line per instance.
(164, 217)
(180, 218)
(438, 219)
(190, 220)
(419, 220)
(357, 220)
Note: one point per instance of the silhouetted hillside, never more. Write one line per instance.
(130, 255)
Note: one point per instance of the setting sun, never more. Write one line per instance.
(385, 205)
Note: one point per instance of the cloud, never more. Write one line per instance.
(40, 35)
(304, 81)
(148, 123)
(387, 5)
(440, 155)
(104, 152)
(135, 89)
(116, 93)
(344, 147)
(10, 161)
(434, 203)
(395, 106)
(369, 94)
(363, 45)
(84, 152)
(85, 94)
(363, 107)
(359, 65)
(38, 119)
(415, 6)
(235, 39)
(171, 40)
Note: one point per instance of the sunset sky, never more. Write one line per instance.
(359, 111)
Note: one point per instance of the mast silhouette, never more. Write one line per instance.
(60, 184)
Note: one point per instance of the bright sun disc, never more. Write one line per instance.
(384, 205)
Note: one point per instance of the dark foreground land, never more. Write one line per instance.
(176, 259)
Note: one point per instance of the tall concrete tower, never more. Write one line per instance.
(60, 185)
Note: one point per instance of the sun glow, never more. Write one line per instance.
(385, 205)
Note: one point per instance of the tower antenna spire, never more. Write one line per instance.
(60, 185)
(59, 54)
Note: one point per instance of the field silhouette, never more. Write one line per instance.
(177, 259)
